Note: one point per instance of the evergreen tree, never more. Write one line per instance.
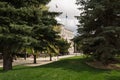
(63, 46)
(17, 19)
(45, 34)
(99, 28)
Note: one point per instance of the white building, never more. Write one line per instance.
(67, 35)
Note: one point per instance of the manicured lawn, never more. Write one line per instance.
(66, 69)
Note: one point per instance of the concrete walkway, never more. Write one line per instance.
(40, 61)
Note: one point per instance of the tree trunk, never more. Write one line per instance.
(7, 61)
(50, 57)
(25, 56)
(34, 59)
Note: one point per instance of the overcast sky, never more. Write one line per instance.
(69, 8)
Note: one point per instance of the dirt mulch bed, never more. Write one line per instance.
(99, 65)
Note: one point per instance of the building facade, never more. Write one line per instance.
(67, 35)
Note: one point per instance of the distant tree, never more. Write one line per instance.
(99, 28)
(52, 50)
(63, 46)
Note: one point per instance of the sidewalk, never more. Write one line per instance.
(40, 61)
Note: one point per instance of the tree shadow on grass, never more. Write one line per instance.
(18, 67)
(113, 78)
(1, 71)
(70, 64)
(73, 64)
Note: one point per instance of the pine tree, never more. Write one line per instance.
(99, 28)
(17, 20)
(45, 34)
(63, 46)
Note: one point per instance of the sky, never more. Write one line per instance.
(69, 8)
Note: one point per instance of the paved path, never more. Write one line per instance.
(40, 61)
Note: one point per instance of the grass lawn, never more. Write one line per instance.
(65, 69)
